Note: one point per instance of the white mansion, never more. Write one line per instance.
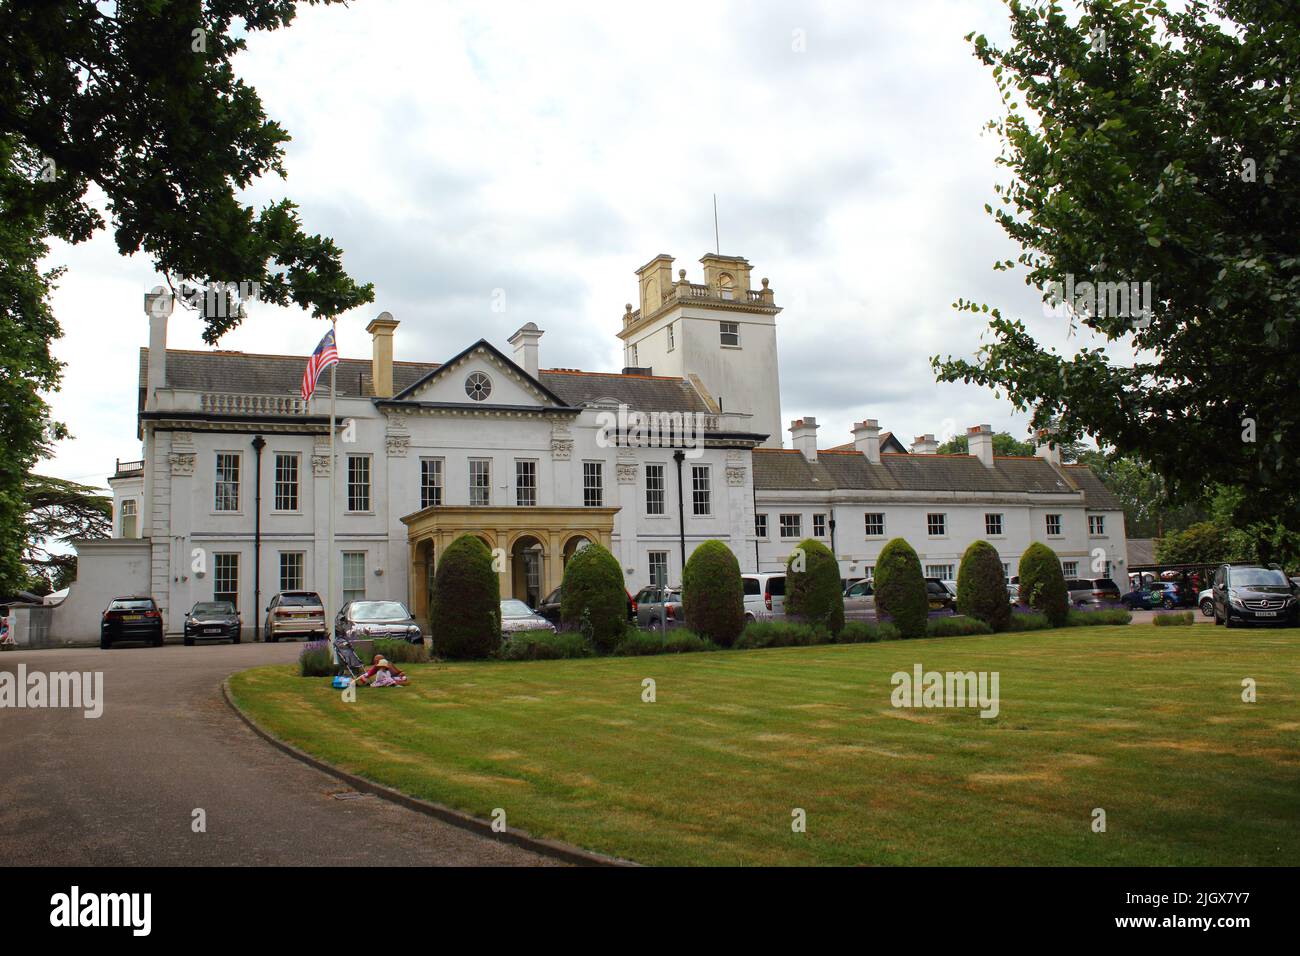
(231, 497)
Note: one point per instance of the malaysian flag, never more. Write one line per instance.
(326, 354)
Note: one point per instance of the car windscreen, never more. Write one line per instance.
(1254, 577)
(214, 607)
(1105, 584)
(378, 611)
(144, 605)
(300, 600)
(513, 609)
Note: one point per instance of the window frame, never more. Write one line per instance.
(867, 523)
(654, 558)
(343, 575)
(299, 585)
(368, 459)
(723, 332)
(797, 524)
(819, 519)
(1097, 527)
(942, 524)
(238, 482)
(662, 490)
(485, 487)
(1060, 526)
(988, 524)
(295, 484)
(431, 491)
(593, 494)
(763, 533)
(699, 488)
(525, 468)
(217, 571)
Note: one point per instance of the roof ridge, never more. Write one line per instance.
(579, 371)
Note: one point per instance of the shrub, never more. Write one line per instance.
(813, 593)
(1028, 621)
(466, 609)
(955, 626)
(314, 660)
(782, 634)
(677, 641)
(1042, 584)
(1103, 616)
(713, 597)
(593, 599)
(900, 588)
(545, 646)
(981, 586)
(861, 632)
(402, 652)
(1176, 619)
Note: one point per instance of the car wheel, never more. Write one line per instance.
(1228, 621)
(1207, 608)
(104, 643)
(271, 639)
(749, 618)
(157, 642)
(234, 638)
(189, 642)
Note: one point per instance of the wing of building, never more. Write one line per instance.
(231, 497)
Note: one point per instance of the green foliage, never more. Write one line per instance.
(1042, 584)
(782, 634)
(981, 586)
(1003, 444)
(713, 597)
(545, 646)
(1103, 616)
(1171, 155)
(863, 632)
(955, 626)
(1173, 619)
(401, 652)
(59, 511)
(593, 599)
(813, 593)
(314, 660)
(465, 616)
(676, 641)
(1150, 510)
(900, 588)
(1028, 621)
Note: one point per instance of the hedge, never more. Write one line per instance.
(782, 634)
(982, 588)
(647, 643)
(593, 599)
(1042, 583)
(713, 597)
(813, 593)
(466, 610)
(861, 632)
(900, 588)
(956, 626)
(545, 646)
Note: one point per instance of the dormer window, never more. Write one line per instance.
(478, 387)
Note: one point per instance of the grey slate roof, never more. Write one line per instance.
(1141, 551)
(782, 470)
(245, 372)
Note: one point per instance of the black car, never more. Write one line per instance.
(1253, 594)
(941, 599)
(550, 607)
(212, 621)
(131, 619)
(388, 620)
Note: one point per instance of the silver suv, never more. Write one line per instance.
(295, 614)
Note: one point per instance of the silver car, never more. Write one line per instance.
(518, 616)
(378, 619)
(859, 600)
(658, 607)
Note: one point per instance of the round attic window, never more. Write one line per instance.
(478, 387)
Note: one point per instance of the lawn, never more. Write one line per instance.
(1146, 723)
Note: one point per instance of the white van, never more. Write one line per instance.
(764, 595)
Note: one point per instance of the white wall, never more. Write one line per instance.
(105, 570)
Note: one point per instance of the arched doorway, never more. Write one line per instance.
(422, 582)
(572, 546)
(527, 569)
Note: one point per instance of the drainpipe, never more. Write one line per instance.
(679, 456)
(258, 444)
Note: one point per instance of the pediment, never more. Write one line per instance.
(481, 377)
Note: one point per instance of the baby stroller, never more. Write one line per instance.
(348, 661)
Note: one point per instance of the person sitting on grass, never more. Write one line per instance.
(382, 674)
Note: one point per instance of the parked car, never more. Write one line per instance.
(658, 607)
(1013, 593)
(212, 621)
(382, 619)
(550, 607)
(1160, 594)
(1092, 592)
(131, 619)
(941, 599)
(1205, 600)
(295, 614)
(517, 616)
(860, 598)
(764, 595)
(1252, 594)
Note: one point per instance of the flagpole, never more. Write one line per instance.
(329, 607)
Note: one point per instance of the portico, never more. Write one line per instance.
(530, 546)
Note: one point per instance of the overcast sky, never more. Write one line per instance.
(549, 149)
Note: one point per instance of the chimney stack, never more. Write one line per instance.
(804, 434)
(525, 343)
(979, 438)
(866, 439)
(1047, 450)
(158, 305)
(924, 445)
(381, 354)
